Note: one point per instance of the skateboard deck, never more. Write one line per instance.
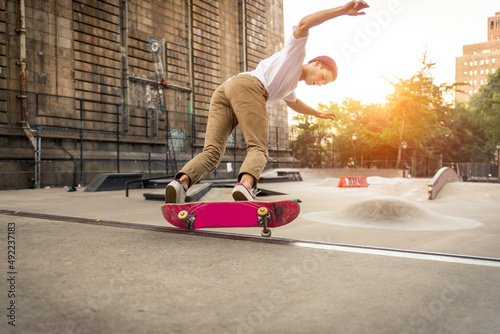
(231, 214)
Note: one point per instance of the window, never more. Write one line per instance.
(492, 70)
(492, 25)
(475, 73)
(487, 61)
(482, 82)
(471, 63)
(475, 62)
(482, 62)
(492, 60)
(481, 72)
(470, 73)
(487, 71)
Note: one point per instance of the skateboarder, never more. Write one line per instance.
(243, 100)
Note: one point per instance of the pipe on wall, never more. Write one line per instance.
(244, 35)
(189, 25)
(21, 30)
(125, 64)
(23, 97)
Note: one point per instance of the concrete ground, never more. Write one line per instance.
(382, 259)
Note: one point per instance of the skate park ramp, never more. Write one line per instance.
(471, 192)
(392, 213)
(402, 204)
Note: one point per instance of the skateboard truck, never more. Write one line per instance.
(187, 218)
(264, 216)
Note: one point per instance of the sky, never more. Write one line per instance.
(387, 43)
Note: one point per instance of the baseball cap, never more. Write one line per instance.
(328, 62)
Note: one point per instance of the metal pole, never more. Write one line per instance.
(149, 164)
(81, 142)
(234, 162)
(38, 161)
(333, 152)
(118, 138)
(498, 161)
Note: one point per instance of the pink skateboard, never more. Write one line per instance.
(231, 214)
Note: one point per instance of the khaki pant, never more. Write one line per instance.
(240, 100)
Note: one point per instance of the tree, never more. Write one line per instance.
(468, 141)
(484, 108)
(418, 109)
(312, 138)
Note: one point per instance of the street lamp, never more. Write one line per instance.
(354, 144)
(333, 151)
(404, 145)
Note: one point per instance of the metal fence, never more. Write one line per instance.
(74, 139)
(472, 171)
(84, 137)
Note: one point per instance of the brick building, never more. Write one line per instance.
(81, 92)
(478, 60)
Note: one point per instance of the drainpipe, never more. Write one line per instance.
(125, 65)
(244, 34)
(189, 25)
(28, 131)
(22, 71)
(22, 65)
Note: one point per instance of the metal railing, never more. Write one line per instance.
(78, 138)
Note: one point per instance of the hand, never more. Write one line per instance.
(325, 115)
(353, 8)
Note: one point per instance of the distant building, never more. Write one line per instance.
(478, 61)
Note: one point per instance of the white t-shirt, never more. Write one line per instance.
(281, 72)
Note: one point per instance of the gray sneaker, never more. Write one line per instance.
(242, 193)
(175, 193)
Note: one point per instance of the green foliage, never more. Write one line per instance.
(484, 110)
(313, 139)
(416, 112)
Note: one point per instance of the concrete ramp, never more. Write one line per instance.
(468, 192)
(391, 213)
(117, 181)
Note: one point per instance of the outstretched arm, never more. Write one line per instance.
(303, 108)
(352, 8)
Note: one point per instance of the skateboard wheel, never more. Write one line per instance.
(183, 215)
(262, 211)
(265, 234)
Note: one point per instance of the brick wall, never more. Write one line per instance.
(92, 85)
